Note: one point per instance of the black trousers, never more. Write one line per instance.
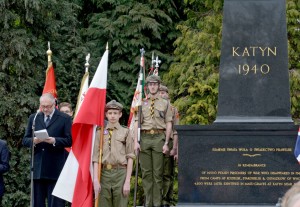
(43, 190)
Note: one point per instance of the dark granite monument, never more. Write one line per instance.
(245, 158)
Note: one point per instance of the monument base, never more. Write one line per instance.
(236, 164)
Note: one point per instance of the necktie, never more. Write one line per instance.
(152, 108)
(110, 131)
(47, 120)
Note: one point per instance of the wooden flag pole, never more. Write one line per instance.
(100, 161)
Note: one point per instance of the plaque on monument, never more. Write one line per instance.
(246, 157)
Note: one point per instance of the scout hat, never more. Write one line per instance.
(113, 105)
(164, 88)
(153, 79)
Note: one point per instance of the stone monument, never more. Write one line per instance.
(245, 158)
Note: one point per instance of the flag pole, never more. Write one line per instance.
(100, 161)
(139, 128)
(100, 153)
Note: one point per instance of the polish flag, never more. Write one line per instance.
(75, 181)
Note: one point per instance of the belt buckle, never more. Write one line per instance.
(109, 166)
(151, 131)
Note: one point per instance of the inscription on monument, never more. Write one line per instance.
(245, 175)
(237, 166)
(253, 51)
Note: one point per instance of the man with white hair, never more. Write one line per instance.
(49, 153)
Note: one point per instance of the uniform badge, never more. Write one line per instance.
(146, 103)
(105, 132)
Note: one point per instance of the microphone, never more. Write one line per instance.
(33, 123)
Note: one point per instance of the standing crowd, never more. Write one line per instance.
(113, 157)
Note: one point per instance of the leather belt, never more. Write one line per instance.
(153, 131)
(110, 166)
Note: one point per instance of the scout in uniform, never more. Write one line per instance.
(117, 160)
(156, 127)
(169, 159)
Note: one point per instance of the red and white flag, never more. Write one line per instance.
(75, 182)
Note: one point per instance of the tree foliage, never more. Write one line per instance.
(193, 76)
(129, 26)
(293, 22)
(26, 27)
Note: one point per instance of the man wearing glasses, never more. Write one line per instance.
(49, 153)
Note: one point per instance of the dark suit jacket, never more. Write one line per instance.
(4, 163)
(49, 159)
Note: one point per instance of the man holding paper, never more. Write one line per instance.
(49, 152)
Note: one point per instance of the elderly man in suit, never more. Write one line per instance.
(49, 153)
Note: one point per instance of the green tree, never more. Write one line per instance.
(193, 76)
(26, 27)
(293, 22)
(129, 26)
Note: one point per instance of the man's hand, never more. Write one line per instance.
(37, 140)
(126, 189)
(97, 188)
(173, 152)
(50, 140)
(137, 147)
(165, 149)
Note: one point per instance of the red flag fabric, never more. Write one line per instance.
(90, 115)
(50, 83)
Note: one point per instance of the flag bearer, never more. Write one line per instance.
(156, 127)
(117, 159)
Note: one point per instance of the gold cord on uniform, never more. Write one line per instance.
(152, 108)
(110, 131)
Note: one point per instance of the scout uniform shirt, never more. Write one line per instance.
(117, 148)
(156, 112)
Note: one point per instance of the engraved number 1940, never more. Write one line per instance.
(246, 69)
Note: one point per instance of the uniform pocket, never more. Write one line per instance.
(159, 112)
(120, 145)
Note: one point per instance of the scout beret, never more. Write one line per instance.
(153, 78)
(113, 105)
(164, 88)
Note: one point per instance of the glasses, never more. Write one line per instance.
(152, 83)
(46, 106)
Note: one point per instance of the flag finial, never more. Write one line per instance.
(49, 53)
(157, 62)
(142, 63)
(87, 65)
(107, 46)
(152, 60)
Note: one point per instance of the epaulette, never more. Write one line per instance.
(124, 126)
